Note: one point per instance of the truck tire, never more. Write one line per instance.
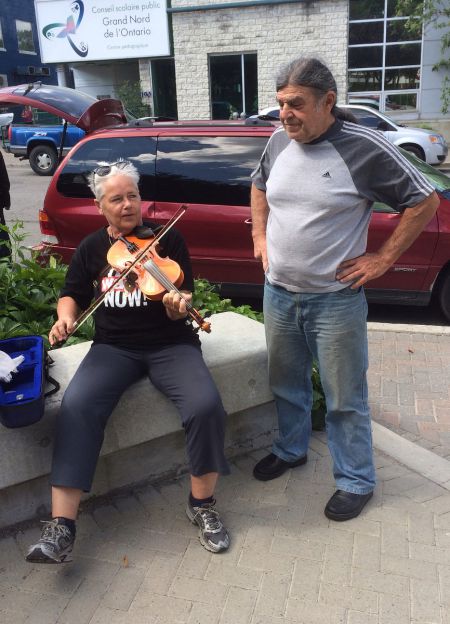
(43, 160)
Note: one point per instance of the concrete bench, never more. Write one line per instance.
(144, 439)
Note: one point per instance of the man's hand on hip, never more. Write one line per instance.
(362, 269)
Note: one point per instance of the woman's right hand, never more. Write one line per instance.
(61, 330)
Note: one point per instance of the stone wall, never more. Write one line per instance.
(276, 33)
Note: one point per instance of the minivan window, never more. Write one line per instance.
(207, 169)
(72, 181)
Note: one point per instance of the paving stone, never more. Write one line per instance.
(394, 609)
(267, 562)
(355, 617)
(204, 614)
(409, 567)
(239, 606)
(366, 552)
(306, 580)
(314, 613)
(425, 601)
(198, 590)
(84, 603)
(47, 611)
(421, 528)
(298, 548)
(219, 570)
(123, 589)
(273, 595)
(168, 608)
(349, 598)
(395, 584)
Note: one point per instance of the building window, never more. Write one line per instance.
(2, 42)
(234, 85)
(25, 37)
(384, 59)
(3, 80)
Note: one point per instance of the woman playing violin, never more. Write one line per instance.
(134, 337)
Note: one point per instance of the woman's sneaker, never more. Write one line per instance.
(55, 545)
(213, 535)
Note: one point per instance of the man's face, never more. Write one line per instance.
(120, 204)
(305, 116)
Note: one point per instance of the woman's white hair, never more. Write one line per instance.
(97, 179)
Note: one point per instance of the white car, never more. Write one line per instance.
(6, 119)
(425, 144)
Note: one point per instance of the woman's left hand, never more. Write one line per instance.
(176, 305)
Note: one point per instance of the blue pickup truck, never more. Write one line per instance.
(41, 144)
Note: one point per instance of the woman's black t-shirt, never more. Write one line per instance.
(125, 319)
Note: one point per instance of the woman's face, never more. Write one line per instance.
(120, 204)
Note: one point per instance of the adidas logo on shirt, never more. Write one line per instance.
(327, 174)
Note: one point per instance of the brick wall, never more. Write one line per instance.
(275, 33)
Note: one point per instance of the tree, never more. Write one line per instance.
(130, 94)
(436, 13)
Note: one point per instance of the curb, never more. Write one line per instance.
(421, 460)
(409, 329)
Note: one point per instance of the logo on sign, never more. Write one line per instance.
(69, 29)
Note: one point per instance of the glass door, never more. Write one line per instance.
(234, 85)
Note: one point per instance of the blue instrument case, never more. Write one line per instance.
(22, 400)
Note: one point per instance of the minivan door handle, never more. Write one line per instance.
(248, 221)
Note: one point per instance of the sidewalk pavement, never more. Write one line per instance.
(138, 560)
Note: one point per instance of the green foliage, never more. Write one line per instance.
(130, 94)
(207, 301)
(29, 292)
(437, 13)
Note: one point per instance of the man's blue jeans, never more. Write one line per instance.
(330, 328)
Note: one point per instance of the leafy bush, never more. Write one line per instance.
(29, 292)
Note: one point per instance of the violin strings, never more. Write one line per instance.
(154, 270)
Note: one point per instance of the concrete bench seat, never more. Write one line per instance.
(144, 439)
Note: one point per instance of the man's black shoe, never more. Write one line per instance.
(271, 467)
(346, 505)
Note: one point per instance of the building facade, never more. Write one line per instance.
(227, 55)
(222, 56)
(20, 59)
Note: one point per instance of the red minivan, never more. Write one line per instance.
(206, 165)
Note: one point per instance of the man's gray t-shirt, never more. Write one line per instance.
(320, 196)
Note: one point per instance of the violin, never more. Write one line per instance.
(153, 274)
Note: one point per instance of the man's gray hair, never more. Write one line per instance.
(97, 178)
(309, 71)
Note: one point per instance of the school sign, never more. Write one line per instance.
(97, 30)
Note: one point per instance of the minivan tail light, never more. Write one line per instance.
(9, 133)
(46, 224)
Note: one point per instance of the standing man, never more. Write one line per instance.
(312, 195)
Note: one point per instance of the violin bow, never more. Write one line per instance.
(97, 303)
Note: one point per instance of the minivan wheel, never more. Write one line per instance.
(414, 149)
(444, 295)
(43, 160)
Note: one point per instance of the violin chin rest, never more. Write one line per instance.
(143, 232)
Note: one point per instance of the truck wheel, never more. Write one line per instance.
(444, 295)
(43, 160)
